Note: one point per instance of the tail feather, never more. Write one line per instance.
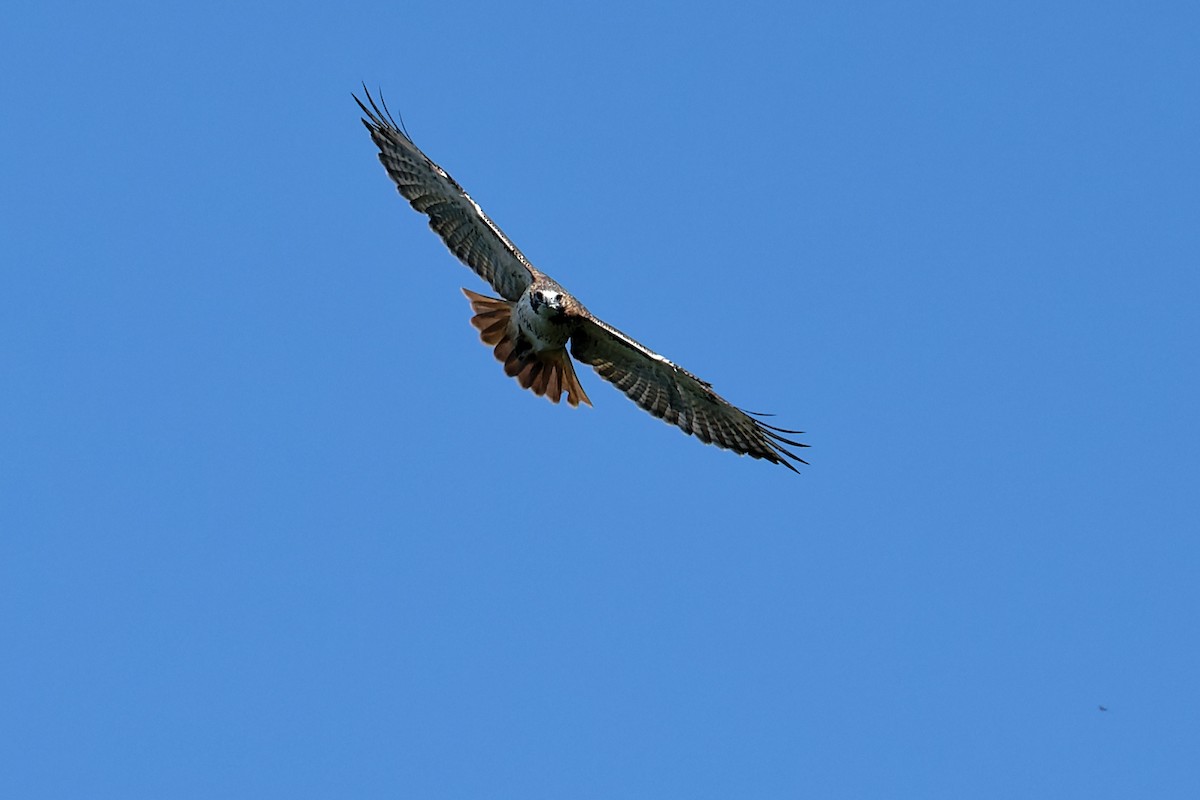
(513, 362)
(547, 374)
(494, 332)
(529, 368)
(502, 350)
(541, 381)
(570, 382)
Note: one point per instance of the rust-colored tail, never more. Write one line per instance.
(548, 374)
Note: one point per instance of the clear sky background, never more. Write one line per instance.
(275, 524)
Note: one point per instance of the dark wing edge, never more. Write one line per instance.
(468, 232)
(678, 397)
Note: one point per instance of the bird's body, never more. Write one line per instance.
(535, 327)
(541, 316)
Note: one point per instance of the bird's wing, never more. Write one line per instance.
(453, 215)
(675, 395)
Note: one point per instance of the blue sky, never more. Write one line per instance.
(275, 524)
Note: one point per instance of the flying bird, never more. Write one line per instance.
(535, 323)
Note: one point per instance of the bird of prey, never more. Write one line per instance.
(534, 321)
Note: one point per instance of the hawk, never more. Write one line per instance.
(536, 326)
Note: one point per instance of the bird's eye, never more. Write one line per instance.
(538, 296)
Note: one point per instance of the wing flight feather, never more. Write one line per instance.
(675, 395)
(467, 231)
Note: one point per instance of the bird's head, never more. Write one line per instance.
(547, 303)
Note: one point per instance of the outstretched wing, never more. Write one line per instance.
(675, 395)
(453, 215)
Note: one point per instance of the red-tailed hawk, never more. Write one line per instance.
(536, 320)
